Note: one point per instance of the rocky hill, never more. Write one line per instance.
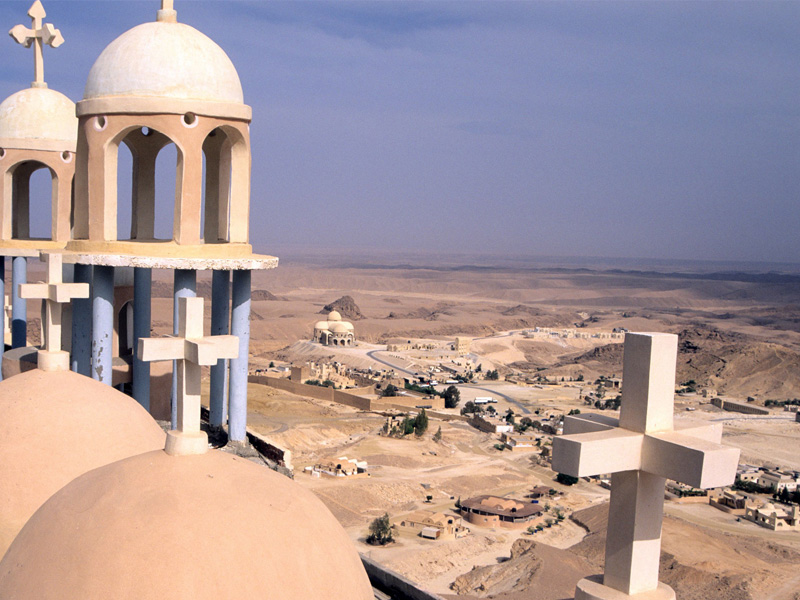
(732, 363)
(346, 307)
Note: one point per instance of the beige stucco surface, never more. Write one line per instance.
(58, 425)
(197, 527)
(38, 114)
(166, 60)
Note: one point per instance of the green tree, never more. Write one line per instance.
(390, 390)
(271, 365)
(470, 408)
(421, 423)
(407, 426)
(380, 531)
(452, 396)
(437, 437)
(565, 479)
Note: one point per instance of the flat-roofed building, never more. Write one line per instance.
(492, 511)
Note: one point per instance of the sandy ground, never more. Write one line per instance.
(485, 304)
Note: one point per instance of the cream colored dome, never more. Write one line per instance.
(321, 325)
(165, 60)
(56, 426)
(334, 316)
(199, 527)
(347, 325)
(38, 114)
(338, 328)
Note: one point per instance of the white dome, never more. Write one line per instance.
(165, 60)
(334, 316)
(347, 325)
(322, 325)
(338, 328)
(38, 114)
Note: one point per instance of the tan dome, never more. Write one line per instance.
(321, 325)
(165, 60)
(339, 327)
(199, 527)
(38, 114)
(347, 325)
(334, 316)
(56, 426)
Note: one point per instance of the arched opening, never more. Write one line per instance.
(217, 178)
(32, 181)
(43, 194)
(125, 329)
(125, 176)
(148, 169)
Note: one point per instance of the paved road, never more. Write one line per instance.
(372, 354)
(524, 409)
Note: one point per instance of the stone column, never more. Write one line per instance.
(142, 285)
(220, 325)
(185, 287)
(102, 323)
(19, 307)
(81, 361)
(240, 327)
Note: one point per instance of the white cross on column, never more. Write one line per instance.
(54, 292)
(192, 351)
(38, 34)
(641, 450)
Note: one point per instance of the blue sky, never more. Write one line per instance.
(613, 129)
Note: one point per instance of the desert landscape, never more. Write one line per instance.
(739, 336)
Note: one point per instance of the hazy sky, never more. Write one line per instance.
(633, 129)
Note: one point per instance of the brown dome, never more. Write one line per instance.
(56, 426)
(197, 527)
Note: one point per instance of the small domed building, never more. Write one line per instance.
(334, 331)
(38, 132)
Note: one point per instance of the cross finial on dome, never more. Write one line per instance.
(38, 34)
(192, 351)
(54, 292)
(167, 14)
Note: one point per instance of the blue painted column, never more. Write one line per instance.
(220, 325)
(240, 327)
(102, 323)
(3, 299)
(19, 307)
(81, 360)
(185, 287)
(142, 292)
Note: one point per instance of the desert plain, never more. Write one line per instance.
(739, 337)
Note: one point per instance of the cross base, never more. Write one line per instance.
(53, 360)
(592, 588)
(180, 443)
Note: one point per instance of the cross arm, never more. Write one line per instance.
(155, 349)
(588, 422)
(207, 351)
(23, 35)
(60, 292)
(691, 460)
(608, 451)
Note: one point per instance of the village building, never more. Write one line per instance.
(334, 331)
(773, 517)
(541, 491)
(491, 511)
(729, 501)
(434, 525)
(491, 424)
(340, 467)
(519, 441)
(461, 345)
(778, 480)
(746, 472)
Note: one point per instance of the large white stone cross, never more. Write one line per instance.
(192, 351)
(54, 292)
(641, 450)
(37, 34)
